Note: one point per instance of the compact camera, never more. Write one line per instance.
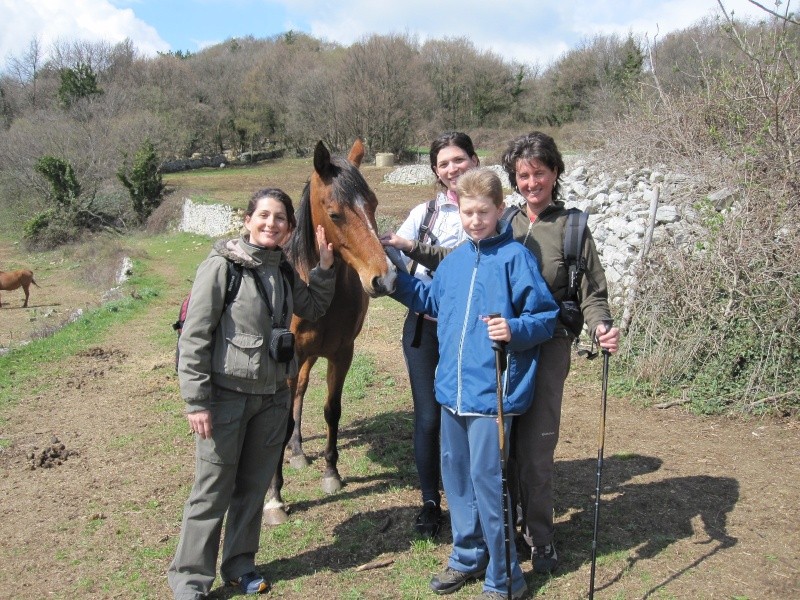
(281, 344)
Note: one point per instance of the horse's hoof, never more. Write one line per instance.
(275, 515)
(331, 485)
(298, 462)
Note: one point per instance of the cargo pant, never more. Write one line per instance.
(233, 469)
(534, 436)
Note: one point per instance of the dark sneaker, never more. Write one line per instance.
(518, 595)
(544, 559)
(450, 580)
(429, 519)
(251, 583)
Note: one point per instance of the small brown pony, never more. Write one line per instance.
(11, 280)
(337, 197)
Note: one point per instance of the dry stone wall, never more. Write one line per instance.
(213, 220)
(618, 205)
(619, 209)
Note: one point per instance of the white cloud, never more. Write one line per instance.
(532, 31)
(529, 31)
(51, 20)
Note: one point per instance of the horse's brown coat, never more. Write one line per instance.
(347, 212)
(11, 280)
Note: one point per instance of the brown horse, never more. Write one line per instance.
(338, 198)
(11, 280)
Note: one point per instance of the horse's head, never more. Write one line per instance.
(341, 201)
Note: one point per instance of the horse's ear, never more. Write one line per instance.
(356, 152)
(322, 160)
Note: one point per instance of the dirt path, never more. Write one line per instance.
(691, 507)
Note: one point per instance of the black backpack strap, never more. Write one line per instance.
(235, 274)
(233, 282)
(509, 213)
(427, 223)
(288, 271)
(424, 232)
(425, 229)
(574, 231)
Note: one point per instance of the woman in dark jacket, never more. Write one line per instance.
(237, 398)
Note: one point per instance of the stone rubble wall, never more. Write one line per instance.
(619, 209)
(214, 220)
(618, 205)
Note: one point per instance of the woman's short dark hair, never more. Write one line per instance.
(276, 194)
(533, 145)
(451, 138)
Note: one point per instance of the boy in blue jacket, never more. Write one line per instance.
(489, 273)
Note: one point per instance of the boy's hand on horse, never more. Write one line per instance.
(325, 249)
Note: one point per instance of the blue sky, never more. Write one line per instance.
(530, 32)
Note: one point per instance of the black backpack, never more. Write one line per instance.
(574, 232)
(234, 281)
(232, 285)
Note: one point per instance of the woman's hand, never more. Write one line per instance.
(325, 249)
(395, 241)
(200, 423)
(607, 337)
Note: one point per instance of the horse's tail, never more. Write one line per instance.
(33, 281)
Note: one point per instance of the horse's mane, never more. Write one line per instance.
(348, 187)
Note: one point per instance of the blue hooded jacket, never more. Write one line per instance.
(494, 275)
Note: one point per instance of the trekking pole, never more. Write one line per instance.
(601, 444)
(500, 366)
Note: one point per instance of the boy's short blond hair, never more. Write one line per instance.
(480, 182)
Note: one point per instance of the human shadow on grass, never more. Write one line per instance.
(640, 519)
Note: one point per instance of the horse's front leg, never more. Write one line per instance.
(337, 372)
(297, 458)
(274, 509)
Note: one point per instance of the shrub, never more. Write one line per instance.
(720, 322)
(144, 185)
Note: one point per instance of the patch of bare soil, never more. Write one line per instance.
(691, 507)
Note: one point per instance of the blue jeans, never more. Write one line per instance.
(421, 364)
(473, 484)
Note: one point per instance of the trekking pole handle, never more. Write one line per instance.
(497, 345)
(608, 325)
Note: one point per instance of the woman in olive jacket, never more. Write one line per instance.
(237, 398)
(534, 165)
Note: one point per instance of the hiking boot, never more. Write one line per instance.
(429, 519)
(451, 580)
(518, 595)
(251, 583)
(544, 559)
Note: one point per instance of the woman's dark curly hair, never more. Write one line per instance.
(532, 145)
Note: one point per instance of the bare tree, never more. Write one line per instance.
(377, 82)
(25, 68)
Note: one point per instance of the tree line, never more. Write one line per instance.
(84, 127)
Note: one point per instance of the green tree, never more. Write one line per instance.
(58, 224)
(77, 83)
(61, 177)
(144, 185)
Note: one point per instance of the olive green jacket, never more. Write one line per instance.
(545, 239)
(230, 348)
